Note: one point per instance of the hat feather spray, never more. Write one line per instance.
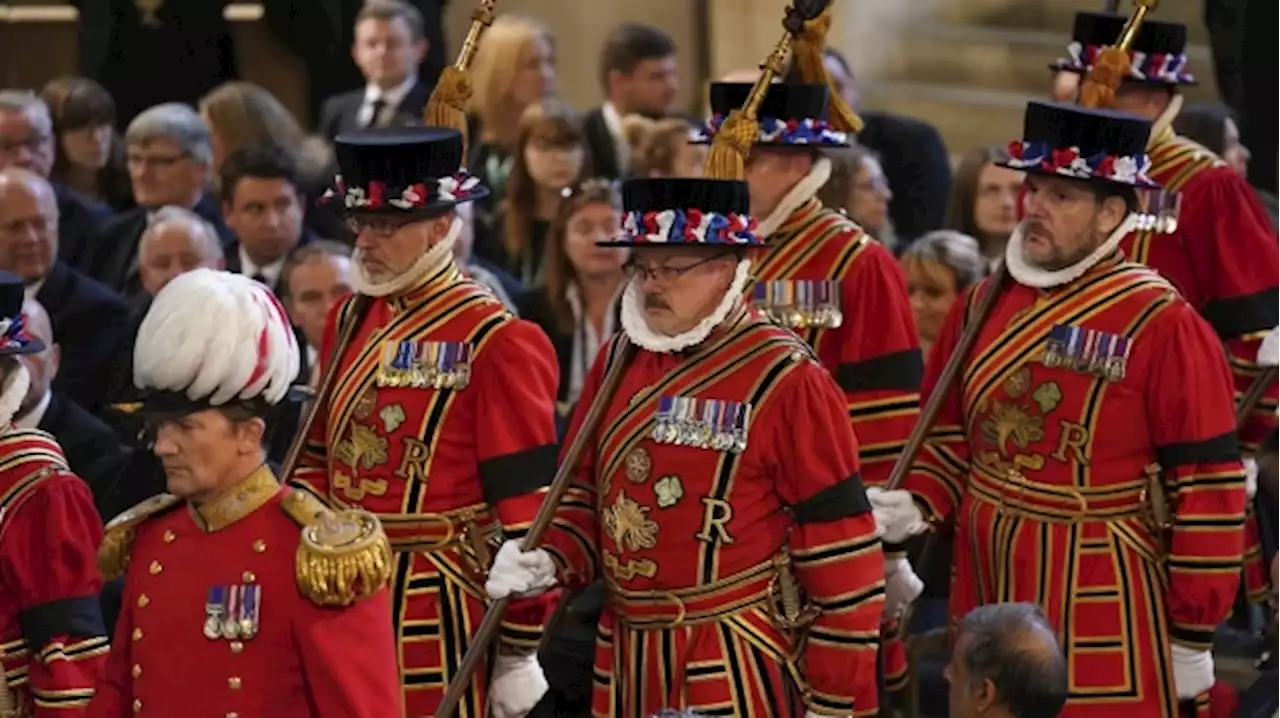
(731, 147)
(447, 106)
(1112, 66)
(806, 56)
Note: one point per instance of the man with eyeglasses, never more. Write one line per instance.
(441, 416)
(719, 496)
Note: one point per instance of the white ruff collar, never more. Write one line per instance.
(798, 195)
(638, 331)
(13, 391)
(431, 260)
(1030, 276)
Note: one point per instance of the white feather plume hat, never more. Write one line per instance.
(213, 338)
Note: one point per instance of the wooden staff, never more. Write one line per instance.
(488, 629)
(1249, 400)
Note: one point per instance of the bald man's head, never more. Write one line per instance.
(741, 75)
(28, 224)
(43, 365)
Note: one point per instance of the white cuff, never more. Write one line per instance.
(897, 516)
(520, 573)
(517, 685)
(901, 587)
(1251, 477)
(1192, 671)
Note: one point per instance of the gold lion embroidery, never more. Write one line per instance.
(362, 449)
(1011, 424)
(629, 525)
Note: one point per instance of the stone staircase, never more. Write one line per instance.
(971, 67)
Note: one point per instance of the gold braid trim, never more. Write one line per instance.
(343, 556)
(806, 53)
(113, 555)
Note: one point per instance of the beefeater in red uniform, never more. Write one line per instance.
(835, 286)
(1093, 390)
(242, 597)
(441, 420)
(52, 641)
(1211, 236)
(722, 465)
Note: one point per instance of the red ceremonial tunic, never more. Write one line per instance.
(1223, 257)
(1045, 464)
(303, 661)
(874, 353)
(688, 536)
(52, 641)
(444, 468)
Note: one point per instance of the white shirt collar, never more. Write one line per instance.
(32, 419)
(391, 98)
(31, 290)
(313, 356)
(270, 271)
(613, 123)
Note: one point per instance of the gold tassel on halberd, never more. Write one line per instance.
(806, 53)
(447, 106)
(727, 158)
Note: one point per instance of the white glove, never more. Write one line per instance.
(901, 586)
(520, 573)
(517, 685)
(1251, 478)
(1192, 671)
(1269, 351)
(897, 516)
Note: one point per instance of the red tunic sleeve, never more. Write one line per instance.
(939, 473)
(833, 544)
(1191, 413)
(48, 559)
(880, 366)
(349, 658)
(312, 472)
(515, 381)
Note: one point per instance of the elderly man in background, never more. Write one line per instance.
(91, 319)
(176, 240)
(27, 141)
(169, 156)
(91, 447)
(1006, 663)
(314, 279)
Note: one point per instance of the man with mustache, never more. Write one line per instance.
(1093, 394)
(720, 495)
(241, 596)
(441, 418)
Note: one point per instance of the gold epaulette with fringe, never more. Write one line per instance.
(343, 556)
(113, 555)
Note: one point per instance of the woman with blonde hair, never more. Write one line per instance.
(661, 148)
(514, 68)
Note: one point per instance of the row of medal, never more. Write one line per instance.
(1159, 211)
(800, 303)
(423, 364)
(1088, 351)
(716, 424)
(233, 612)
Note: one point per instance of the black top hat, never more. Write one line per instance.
(1158, 54)
(402, 170)
(1077, 142)
(15, 335)
(789, 115)
(686, 213)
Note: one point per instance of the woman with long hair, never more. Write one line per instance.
(661, 148)
(859, 188)
(984, 200)
(90, 153)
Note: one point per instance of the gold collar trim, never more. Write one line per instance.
(238, 502)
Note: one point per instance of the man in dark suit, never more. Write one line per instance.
(389, 45)
(638, 74)
(262, 204)
(91, 447)
(27, 141)
(914, 158)
(169, 164)
(86, 314)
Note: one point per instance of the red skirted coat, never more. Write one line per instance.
(1071, 400)
(1223, 257)
(710, 468)
(442, 423)
(52, 641)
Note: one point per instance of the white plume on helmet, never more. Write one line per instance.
(216, 336)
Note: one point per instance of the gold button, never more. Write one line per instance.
(248, 577)
(170, 537)
(137, 670)
(143, 600)
(155, 568)
(233, 683)
(137, 705)
(137, 634)
(259, 546)
(237, 647)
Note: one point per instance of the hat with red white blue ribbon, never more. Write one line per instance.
(1157, 56)
(403, 171)
(1081, 143)
(671, 212)
(790, 115)
(15, 334)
